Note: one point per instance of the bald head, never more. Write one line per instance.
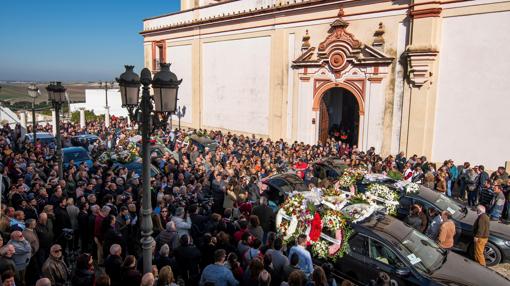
(115, 249)
(43, 282)
(16, 235)
(480, 209)
(147, 279)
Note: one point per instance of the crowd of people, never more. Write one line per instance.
(211, 226)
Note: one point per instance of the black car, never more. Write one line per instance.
(136, 166)
(498, 246)
(279, 186)
(384, 244)
(330, 168)
(84, 140)
(203, 142)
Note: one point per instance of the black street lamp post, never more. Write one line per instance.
(56, 94)
(180, 114)
(33, 92)
(150, 110)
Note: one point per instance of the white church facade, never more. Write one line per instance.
(423, 77)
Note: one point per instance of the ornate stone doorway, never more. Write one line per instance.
(339, 116)
(340, 79)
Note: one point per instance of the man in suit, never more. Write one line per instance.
(265, 215)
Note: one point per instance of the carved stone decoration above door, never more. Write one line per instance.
(340, 51)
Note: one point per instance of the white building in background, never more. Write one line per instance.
(95, 100)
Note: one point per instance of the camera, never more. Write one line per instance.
(68, 233)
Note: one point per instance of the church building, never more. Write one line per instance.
(426, 77)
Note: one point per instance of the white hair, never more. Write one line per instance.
(43, 282)
(115, 249)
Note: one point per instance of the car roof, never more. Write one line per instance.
(41, 135)
(290, 177)
(73, 149)
(427, 194)
(386, 227)
(202, 140)
(86, 136)
(332, 161)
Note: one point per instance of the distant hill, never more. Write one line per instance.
(16, 92)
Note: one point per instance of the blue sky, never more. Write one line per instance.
(73, 40)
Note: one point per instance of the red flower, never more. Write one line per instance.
(316, 228)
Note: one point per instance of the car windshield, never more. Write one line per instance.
(422, 252)
(446, 204)
(76, 156)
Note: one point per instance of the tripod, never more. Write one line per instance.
(66, 241)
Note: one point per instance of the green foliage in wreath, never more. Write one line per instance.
(395, 175)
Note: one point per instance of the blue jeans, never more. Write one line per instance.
(449, 188)
(496, 212)
(472, 198)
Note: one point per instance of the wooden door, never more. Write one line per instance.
(323, 122)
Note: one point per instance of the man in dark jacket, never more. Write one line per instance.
(188, 259)
(113, 264)
(265, 215)
(83, 226)
(481, 234)
(62, 220)
(6, 261)
(218, 188)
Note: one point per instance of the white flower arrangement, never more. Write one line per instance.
(412, 188)
(360, 212)
(335, 202)
(346, 180)
(383, 194)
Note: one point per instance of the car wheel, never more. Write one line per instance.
(492, 254)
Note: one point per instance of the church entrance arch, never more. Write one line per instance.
(339, 116)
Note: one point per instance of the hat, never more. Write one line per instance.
(31, 196)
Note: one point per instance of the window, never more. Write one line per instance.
(158, 54)
(383, 254)
(358, 244)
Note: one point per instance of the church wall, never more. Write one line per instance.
(235, 84)
(471, 122)
(398, 116)
(181, 61)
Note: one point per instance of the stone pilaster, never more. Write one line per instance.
(420, 95)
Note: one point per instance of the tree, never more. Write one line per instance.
(89, 116)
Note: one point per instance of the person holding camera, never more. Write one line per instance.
(182, 221)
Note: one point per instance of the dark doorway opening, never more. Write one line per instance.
(339, 116)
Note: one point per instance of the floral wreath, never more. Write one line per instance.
(314, 218)
(325, 246)
(286, 219)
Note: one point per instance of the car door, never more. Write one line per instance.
(353, 264)
(382, 259)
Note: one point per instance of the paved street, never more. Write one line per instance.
(503, 268)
